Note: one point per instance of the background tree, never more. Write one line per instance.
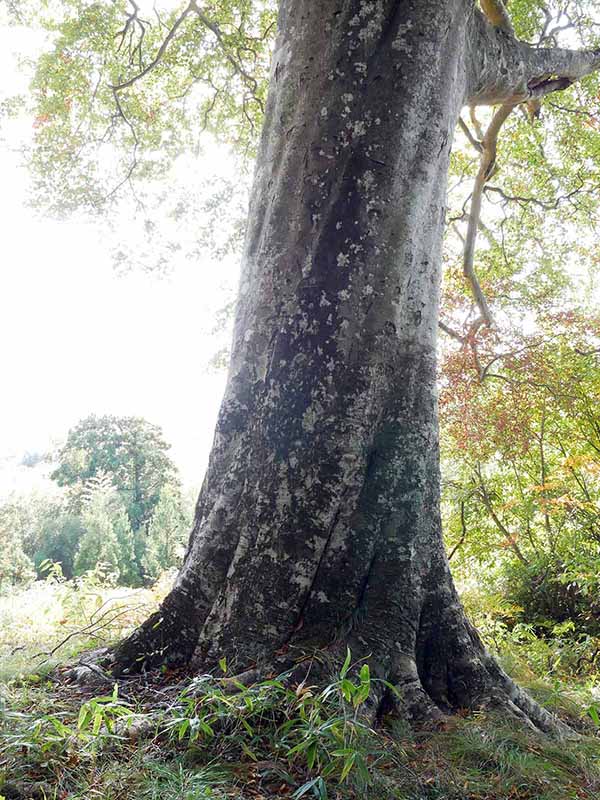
(129, 450)
(107, 539)
(68, 528)
(54, 533)
(43, 529)
(522, 448)
(167, 534)
(15, 566)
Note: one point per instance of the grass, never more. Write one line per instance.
(83, 614)
(265, 741)
(480, 757)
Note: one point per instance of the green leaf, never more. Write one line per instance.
(347, 689)
(97, 723)
(311, 755)
(346, 664)
(348, 764)
(318, 787)
(84, 716)
(595, 716)
(365, 674)
(183, 729)
(249, 752)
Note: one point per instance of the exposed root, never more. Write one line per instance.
(248, 678)
(167, 638)
(423, 671)
(404, 693)
(510, 697)
(90, 669)
(412, 702)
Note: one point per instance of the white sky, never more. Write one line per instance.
(78, 339)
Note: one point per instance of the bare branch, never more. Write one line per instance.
(577, 111)
(120, 115)
(161, 51)
(91, 629)
(475, 122)
(486, 170)
(452, 333)
(467, 132)
(236, 63)
(132, 22)
(463, 527)
(487, 502)
(545, 205)
(234, 60)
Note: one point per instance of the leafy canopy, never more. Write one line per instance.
(184, 71)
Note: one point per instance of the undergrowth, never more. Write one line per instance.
(171, 737)
(54, 620)
(216, 740)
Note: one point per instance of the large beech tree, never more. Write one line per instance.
(318, 524)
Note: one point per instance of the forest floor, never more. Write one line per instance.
(164, 738)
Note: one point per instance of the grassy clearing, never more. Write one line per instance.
(83, 614)
(160, 742)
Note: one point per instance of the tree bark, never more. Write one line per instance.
(318, 524)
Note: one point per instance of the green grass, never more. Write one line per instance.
(83, 614)
(265, 741)
(259, 746)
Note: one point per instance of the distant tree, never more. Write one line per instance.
(107, 539)
(167, 533)
(32, 459)
(15, 566)
(46, 528)
(130, 450)
(55, 535)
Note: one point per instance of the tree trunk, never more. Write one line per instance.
(318, 524)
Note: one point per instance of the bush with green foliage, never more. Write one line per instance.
(15, 566)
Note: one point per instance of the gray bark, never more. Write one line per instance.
(318, 525)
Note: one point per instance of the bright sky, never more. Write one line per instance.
(78, 339)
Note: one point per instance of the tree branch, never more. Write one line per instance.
(524, 200)
(451, 332)
(463, 527)
(489, 147)
(161, 51)
(503, 69)
(487, 502)
(496, 12)
(467, 132)
(212, 26)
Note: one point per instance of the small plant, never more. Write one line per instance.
(101, 714)
(314, 730)
(593, 712)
